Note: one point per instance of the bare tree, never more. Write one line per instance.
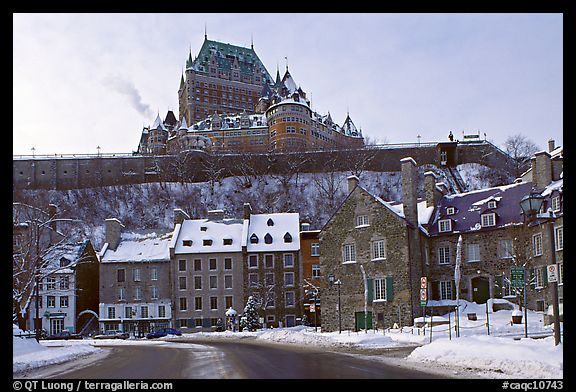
(521, 149)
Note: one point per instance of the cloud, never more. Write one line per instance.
(127, 88)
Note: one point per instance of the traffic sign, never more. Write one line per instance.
(423, 282)
(552, 273)
(517, 277)
(312, 308)
(423, 294)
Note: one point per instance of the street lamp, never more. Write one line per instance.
(530, 205)
(337, 283)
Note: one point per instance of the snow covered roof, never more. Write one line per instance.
(71, 253)
(553, 186)
(145, 245)
(193, 232)
(277, 225)
(469, 206)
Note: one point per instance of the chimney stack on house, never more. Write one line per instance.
(216, 215)
(352, 183)
(180, 216)
(541, 170)
(113, 231)
(410, 189)
(247, 211)
(432, 194)
(551, 145)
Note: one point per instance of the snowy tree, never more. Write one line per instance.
(521, 149)
(219, 325)
(250, 318)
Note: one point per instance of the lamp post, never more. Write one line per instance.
(530, 205)
(337, 283)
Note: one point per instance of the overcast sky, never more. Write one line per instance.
(87, 80)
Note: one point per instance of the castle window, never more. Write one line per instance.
(254, 239)
(287, 237)
(270, 222)
(268, 238)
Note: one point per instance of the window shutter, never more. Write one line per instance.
(389, 288)
(370, 283)
(435, 290)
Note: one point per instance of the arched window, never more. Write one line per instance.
(287, 237)
(268, 238)
(254, 238)
(270, 222)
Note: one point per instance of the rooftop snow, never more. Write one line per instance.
(282, 223)
(216, 230)
(140, 246)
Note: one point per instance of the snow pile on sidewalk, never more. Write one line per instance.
(499, 357)
(28, 353)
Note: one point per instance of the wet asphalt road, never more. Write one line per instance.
(221, 360)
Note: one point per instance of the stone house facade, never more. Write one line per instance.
(135, 284)
(312, 282)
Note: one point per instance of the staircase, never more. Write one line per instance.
(458, 181)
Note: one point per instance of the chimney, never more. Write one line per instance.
(352, 183)
(430, 188)
(541, 170)
(442, 188)
(409, 190)
(113, 231)
(247, 211)
(216, 215)
(551, 144)
(179, 216)
(557, 167)
(52, 212)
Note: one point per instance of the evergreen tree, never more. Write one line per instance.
(250, 316)
(219, 325)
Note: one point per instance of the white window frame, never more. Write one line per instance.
(560, 274)
(291, 256)
(380, 289)
(229, 280)
(252, 282)
(121, 294)
(153, 292)
(537, 244)
(443, 254)
(444, 289)
(250, 258)
(111, 312)
(210, 264)
(555, 203)
(505, 251)
(349, 253)
(161, 311)
(267, 257)
(450, 210)
(136, 276)
(559, 238)
(492, 204)
(315, 270)
(538, 278)
(137, 293)
(362, 221)
(445, 225)
(213, 282)
(144, 311)
(488, 220)
(292, 303)
(128, 312)
(180, 280)
(379, 250)
(287, 274)
(154, 273)
(315, 249)
(474, 256)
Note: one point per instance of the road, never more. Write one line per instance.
(221, 360)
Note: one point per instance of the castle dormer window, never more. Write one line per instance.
(488, 220)
(206, 242)
(287, 237)
(450, 211)
(64, 262)
(268, 238)
(444, 225)
(227, 241)
(492, 204)
(254, 239)
(186, 242)
(203, 228)
(270, 222)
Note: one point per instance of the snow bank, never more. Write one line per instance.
(504, 357)
(21, 346)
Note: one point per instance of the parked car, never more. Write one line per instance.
(113, 335)
(159, 333)
(63, 335)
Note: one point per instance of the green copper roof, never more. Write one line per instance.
(225, 55)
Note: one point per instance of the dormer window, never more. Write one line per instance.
(268, 238)
(270, 222)
(287, 237)
(206, 242)
(488, 220)
(227, 241)
(492, 204)
(556, 203)
(186, 242)
(203, 228)
(254, 238)
(450, 211)
(445, 225)
(64, 262)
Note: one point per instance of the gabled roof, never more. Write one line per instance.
(198, 230)
(158, 123)
(282, 223)
(72, 252)
(471, 205)
(141, 245)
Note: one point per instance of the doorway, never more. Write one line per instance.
(480, 289)
(360, 322)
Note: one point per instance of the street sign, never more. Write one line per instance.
(423, 282)
(423, 294)
(552, 273)
(517, 277)
(312, 308)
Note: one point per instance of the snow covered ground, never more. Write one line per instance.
(505, 353)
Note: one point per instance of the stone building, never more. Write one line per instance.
(135, 284)
(207, 270)
(312, 282)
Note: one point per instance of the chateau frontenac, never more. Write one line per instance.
(229, 102)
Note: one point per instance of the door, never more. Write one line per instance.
(56, 326)
(480, 290)
(360, 322)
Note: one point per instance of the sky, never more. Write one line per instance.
(82, 81)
